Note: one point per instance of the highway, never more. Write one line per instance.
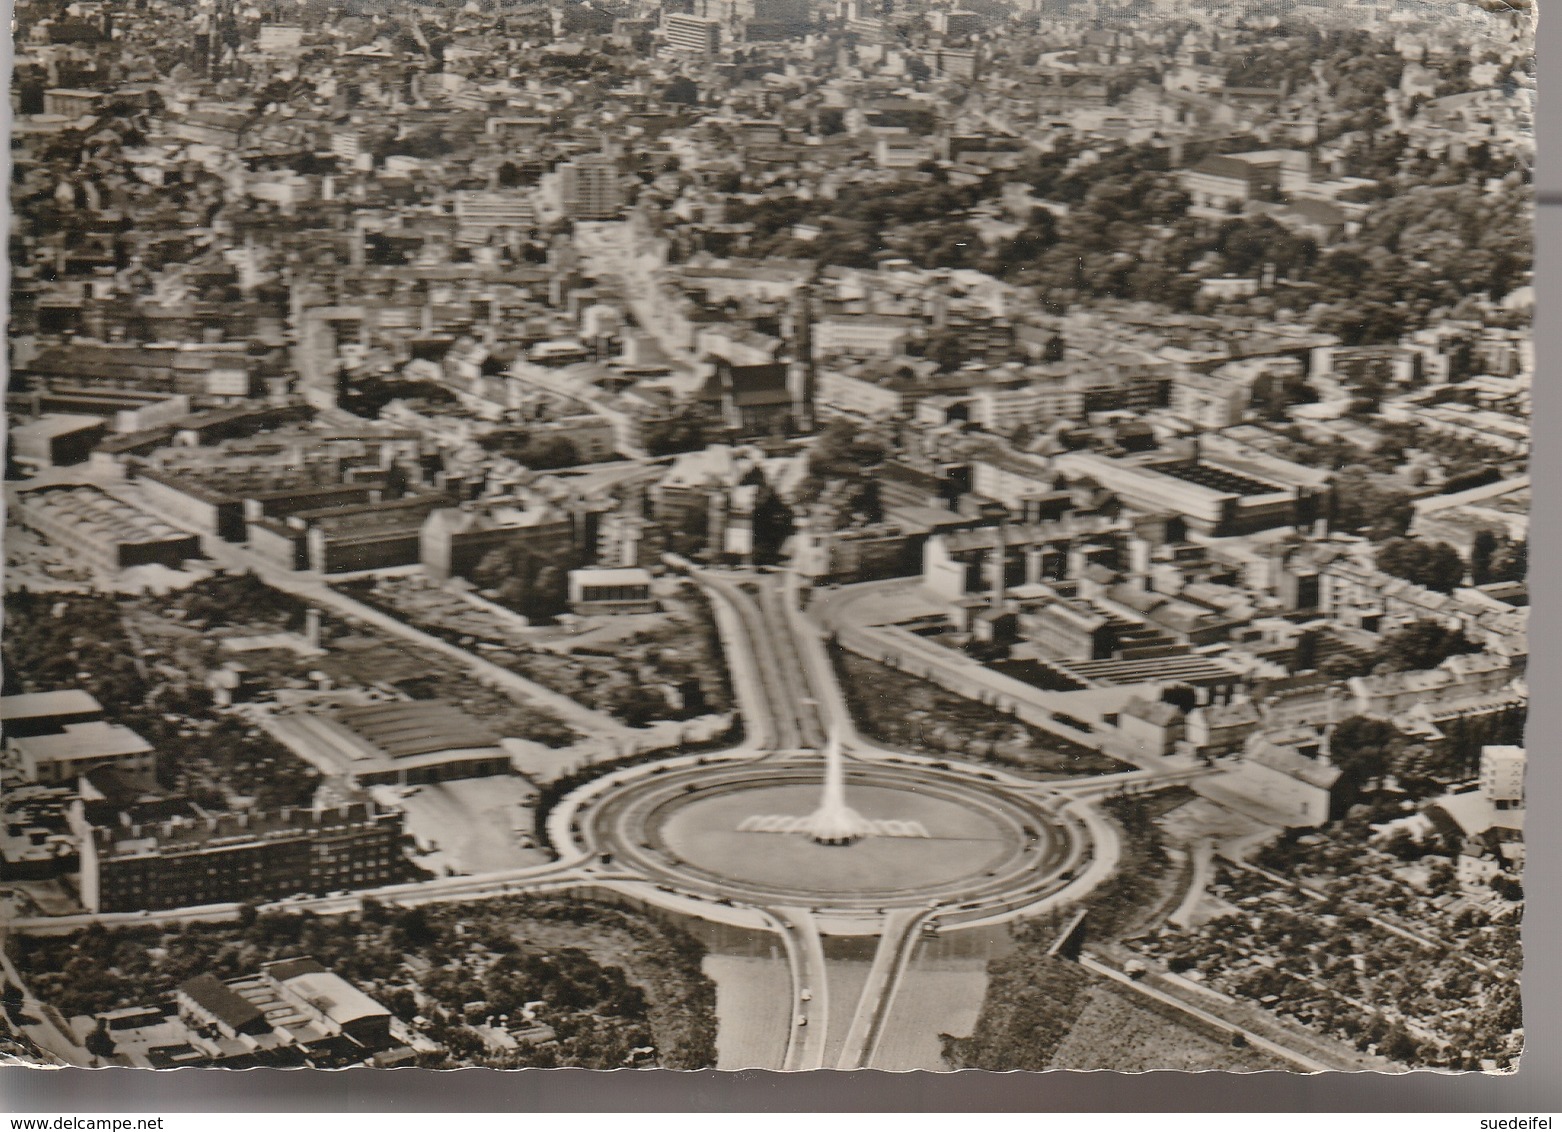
(781, 692)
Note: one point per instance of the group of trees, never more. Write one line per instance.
(1435, 565)
(1368, 503)
(532, 580)
(368, 395)
(1425, 249)
(687, 430)
(1423, 644)
(1420, 645)
(1430, 238)
(609, 979)
(80, 641)
(1496, 558)
(539, 452)
(842, 459)
(1366, 749)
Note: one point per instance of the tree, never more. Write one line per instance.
(1507, 887)
(401, 1002)
(1365, 504)
(100, 1043)
(1435, 565)
(681, 91)
(1423, 644)
(539, 452)
(947, 349)
(527, 578)
(685, 431)
(772, 525)
(414, 929)
(1511, 562)
(1363, 748)
(1482, 549)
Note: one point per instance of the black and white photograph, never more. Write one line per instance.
(767, 535)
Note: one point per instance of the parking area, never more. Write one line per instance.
(472, 825)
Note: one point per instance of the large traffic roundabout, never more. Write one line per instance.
(726, 832)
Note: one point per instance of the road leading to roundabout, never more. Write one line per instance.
(985, 845)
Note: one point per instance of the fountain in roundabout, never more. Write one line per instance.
(834, 822)
(855, 834)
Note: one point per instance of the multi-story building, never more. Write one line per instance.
(1502, 777)
(957, 23)
(1208, 400)
(1224, 184)
(47, 713)
(691, 35)
(589, 187)
(294, 1013)
(71, 103)
(279, 37)
(1289, 774)
(901, 151)
(1001, 408)
(623, 589)
(56, 439)
(347, 143)
(224, 858)
(480, 215)
(864, 335)
(80, 748)
(454, 540)
(1217, 493)
(333, 540)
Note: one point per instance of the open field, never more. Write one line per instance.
(1114, 1033)
(934, 998)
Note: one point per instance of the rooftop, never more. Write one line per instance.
(42, 705)
(223, 1003)
(402, 730)
(83, 741)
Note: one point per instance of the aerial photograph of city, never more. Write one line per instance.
(767, 534)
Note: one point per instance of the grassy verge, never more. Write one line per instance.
(550, 793)
(912, 714)
(1034, 999)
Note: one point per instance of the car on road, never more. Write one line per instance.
(805, 995)
(802, 1020)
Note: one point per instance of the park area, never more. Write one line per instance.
(240, 620)
(639, 668)
(908, 713)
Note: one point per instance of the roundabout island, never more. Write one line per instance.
(811, 836)
(775, 832)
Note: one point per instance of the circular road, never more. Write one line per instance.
(985, 845)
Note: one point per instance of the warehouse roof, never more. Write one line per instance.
(402, 730)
